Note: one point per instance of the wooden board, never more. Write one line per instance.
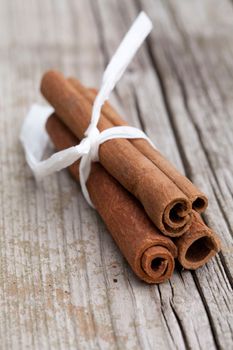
(63, 282)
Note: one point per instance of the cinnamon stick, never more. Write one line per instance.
(198, 199)
(198, 245)
(149, 253)
(167, 206)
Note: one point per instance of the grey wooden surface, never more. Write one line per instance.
(63, 282)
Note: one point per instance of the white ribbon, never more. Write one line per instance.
(33, 134)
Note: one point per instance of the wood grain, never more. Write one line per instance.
(63, 282)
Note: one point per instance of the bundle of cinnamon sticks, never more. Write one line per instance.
(149, 208)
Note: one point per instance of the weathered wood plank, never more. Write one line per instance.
(63, 282)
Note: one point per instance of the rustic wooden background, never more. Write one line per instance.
(63, 282)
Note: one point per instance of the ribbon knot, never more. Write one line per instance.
(93, 135)
(34, 137)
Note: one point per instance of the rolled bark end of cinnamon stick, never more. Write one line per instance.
(149, 253)
(197, 246)
(200, 203)
(177, 217)
(158, 263)
(152, 260)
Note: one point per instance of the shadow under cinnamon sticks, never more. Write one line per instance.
(149, 253)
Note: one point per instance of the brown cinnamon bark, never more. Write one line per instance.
(149, 253)
(198, 245)
(167, 206)
(198, 199)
